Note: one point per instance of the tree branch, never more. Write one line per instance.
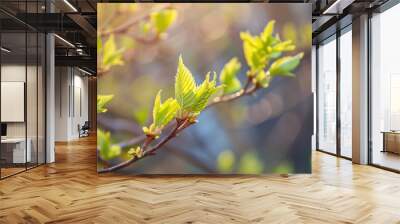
(180, 125)
(126, 26)
(247, 90)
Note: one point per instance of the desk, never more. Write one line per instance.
(16, 151)
(391, 141)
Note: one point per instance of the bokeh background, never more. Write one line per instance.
(266, 133)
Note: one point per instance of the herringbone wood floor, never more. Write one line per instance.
(70, 191)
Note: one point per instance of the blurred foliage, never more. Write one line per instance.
(102, 100)
(141, 115)
(226, 161)
(284, 168)
(107, 150)
(127, 42)
(250, 164)
(163, 19)
(228, 76)
(111, 56)
(300, 36)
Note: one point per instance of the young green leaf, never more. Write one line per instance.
(252, 47)
(259, 50)
(268, 30)
(228, 76)
(107, 151)
(163, 113)
(163, 19)
(102, 100)
(185, 86)
(111, 55)
(203, 93)
(284, 46)
(284, 66)
(136, 152)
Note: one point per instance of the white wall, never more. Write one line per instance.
(61, 103)
(71, 102)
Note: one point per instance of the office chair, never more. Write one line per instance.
(84, 130)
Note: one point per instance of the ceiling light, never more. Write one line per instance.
(70, 5)
(5, 50)
(65, 41)
(84, 71)
(338, 6)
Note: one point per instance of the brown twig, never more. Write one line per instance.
(180, 125)
(247, 90)
(126, 26)
(149, 41)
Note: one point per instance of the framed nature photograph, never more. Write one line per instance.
(204, 88)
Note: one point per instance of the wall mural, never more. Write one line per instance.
(204, 88)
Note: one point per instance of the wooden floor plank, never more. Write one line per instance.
(70, 191)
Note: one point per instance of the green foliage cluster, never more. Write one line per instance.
(263, 54)
(102, 101)
(107, 150)
(228, 76)
(162, 20)
(163, 113)
(112, 55)
(261, 49)
(190, 99)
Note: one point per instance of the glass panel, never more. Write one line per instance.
(385, 84)
(31, 98)
(346, 94)
(13, 86)
(41, 98)
(22, 88)
(327, 97)
(32, 88)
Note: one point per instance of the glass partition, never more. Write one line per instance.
(385, 89)
(327, 96)
(31, 100)
(22, 91)
(346, 93)
(41, 96)
(14, 153)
